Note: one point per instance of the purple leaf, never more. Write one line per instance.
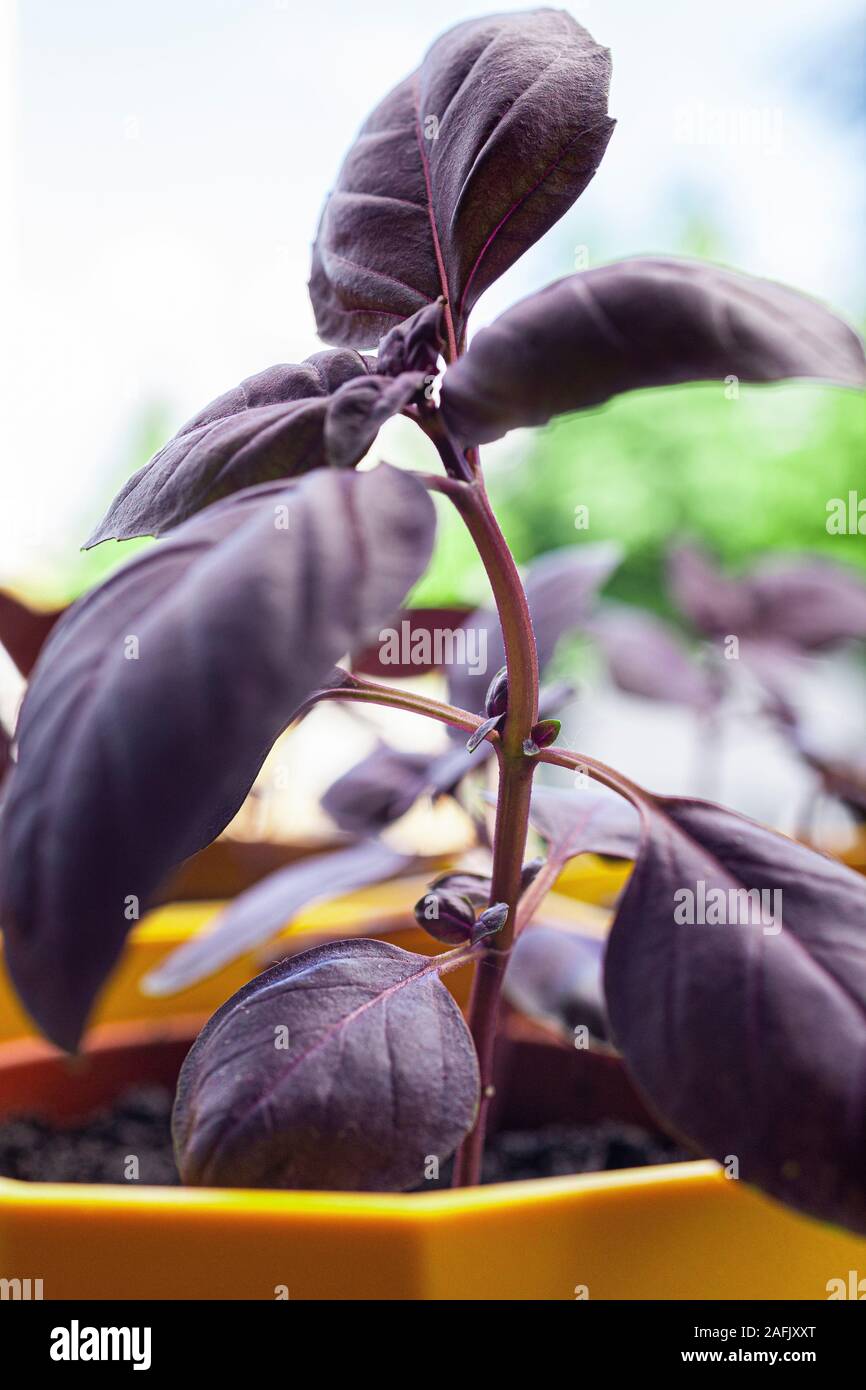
(354, 416)
(714, 603)
(458, 171)
(646, 657)
(23, 630)
(809, 603)
(265, 909)
(635, 324)
(744, 1022)
(590, 821)
(415, 345)
(283, 422)
(344, 1067)
(806, 604)
(560, 588)
(554, 977)
(157, 697)
(378, 790)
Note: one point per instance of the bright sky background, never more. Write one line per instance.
(171, 159)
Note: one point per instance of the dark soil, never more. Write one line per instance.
(137, 1127)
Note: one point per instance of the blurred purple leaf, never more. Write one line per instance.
(158, 696)
(714, 603)
(262, 911)
(646, 656)
(458, 171)
(377, 790)
(748, 1036)
(554, 977)
(592, 820)
(286, 421)
(379, 1071)
(635, 324)
(806, 604)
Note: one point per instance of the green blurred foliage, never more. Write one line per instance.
(653, 468)
(742, 475)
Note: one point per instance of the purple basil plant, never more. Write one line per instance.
(156, 697)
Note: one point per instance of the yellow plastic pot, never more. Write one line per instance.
(679, 1231)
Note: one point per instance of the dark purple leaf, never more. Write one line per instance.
(560, 588)
(356, 413)
(554, 977)
(157, 697)
(283, 422)
(345, 1067)
(23, 630)
(635, 324)
(416, 345)
(592, 820)
(645, 656)
(265, 909)
(378, 790)
(462, 167)
(748, 1035)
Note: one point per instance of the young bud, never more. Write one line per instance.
(545, 732)
(490, 922)
(496, 700)
(447, 916)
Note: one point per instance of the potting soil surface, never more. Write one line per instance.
(130, 1141)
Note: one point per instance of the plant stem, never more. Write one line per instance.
(599, 772)
(515, 787)
(521, 656)
(372, 693)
